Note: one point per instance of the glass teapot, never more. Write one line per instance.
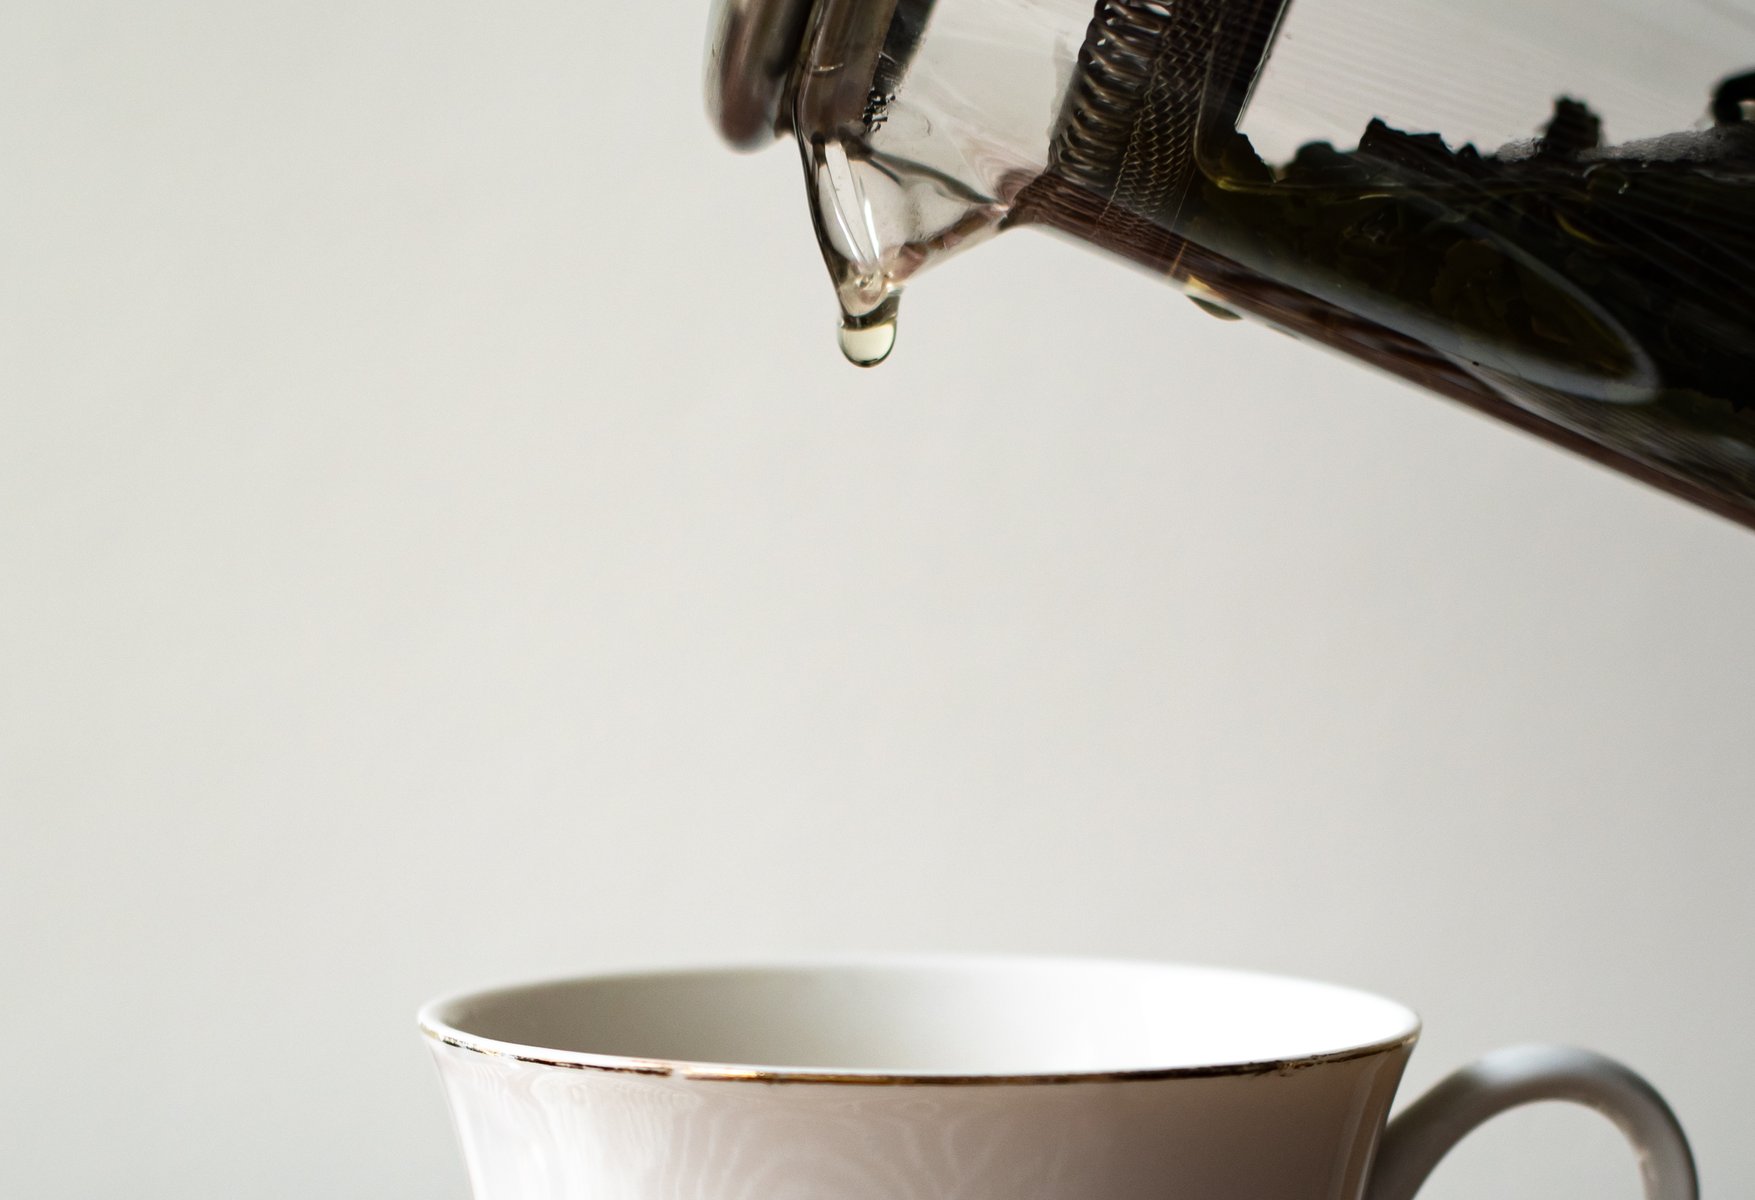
(1544, 209)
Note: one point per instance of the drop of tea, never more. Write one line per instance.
(868, 337)
(867, 344)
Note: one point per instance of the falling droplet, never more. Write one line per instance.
(867, 338)
(867, 345)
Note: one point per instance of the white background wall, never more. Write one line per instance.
(441, 544)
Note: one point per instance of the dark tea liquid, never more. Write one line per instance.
(1602, 297)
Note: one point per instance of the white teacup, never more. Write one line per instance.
(977, 1079)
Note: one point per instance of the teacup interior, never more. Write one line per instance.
(931, 1017)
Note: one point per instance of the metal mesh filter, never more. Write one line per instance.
(1154, 78)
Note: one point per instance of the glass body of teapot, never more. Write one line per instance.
(1543, 209)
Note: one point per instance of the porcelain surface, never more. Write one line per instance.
(972, 1079)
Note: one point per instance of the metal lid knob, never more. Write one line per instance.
(752, 46)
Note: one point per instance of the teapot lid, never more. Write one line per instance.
(752, 46)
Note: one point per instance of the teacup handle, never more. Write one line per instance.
(1422, 1134)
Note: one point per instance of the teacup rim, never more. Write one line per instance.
(438, 1030)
